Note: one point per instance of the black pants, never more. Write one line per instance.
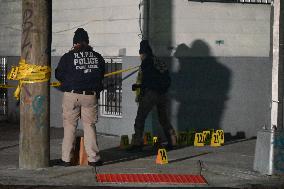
(146, 104)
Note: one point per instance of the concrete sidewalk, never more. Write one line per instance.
(228, 166)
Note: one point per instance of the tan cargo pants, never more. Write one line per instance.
(77, 106)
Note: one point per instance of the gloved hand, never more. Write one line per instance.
(135, 86)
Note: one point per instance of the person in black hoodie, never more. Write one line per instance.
(154, 84)
(81, 72)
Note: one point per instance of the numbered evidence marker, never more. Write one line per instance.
(148, 138)
(190, 137)
(162, 157)
(124, 141)
(198, 140)
(221, 136)
(155, 140)
(215, 142)
(206, 137)
(182, 138)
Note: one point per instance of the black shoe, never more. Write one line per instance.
(135, 148)
(65, 164)
(96, 164)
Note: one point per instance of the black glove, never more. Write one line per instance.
(135, 86)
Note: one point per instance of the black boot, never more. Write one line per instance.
(96, 164)
(172, 139)
(136, 144)
(65, 164)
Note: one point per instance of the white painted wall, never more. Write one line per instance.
(113, 26)
(10, 27)
(244, 28)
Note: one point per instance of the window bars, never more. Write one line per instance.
(237, 1)
(256, 1)
(3, 91)
(111, 96)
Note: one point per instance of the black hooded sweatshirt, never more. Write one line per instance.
(155, 75)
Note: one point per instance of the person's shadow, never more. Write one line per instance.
(200, 87)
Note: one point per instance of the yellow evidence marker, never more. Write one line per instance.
(155, 140)
(162, 157)
(182, 138)
(221, 136)
(215, 142)
(206, 137)
(190, 138)
(124, 141)
(198, 140)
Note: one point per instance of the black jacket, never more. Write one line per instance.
(155, 75)
(81, 70)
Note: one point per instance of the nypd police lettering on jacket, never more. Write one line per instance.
(85, 61)
(81, 69)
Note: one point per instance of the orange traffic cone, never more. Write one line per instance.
(83, 157)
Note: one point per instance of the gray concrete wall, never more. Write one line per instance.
(221, 92)
(218, 54)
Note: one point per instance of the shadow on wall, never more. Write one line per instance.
(200, 86)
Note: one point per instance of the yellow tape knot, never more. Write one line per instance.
(28, 73)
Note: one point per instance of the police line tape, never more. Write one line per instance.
(57, 84)
(30, 73)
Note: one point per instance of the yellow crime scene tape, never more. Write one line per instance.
(120, 71)
(57, 84)
(30, 73)
(7, 86)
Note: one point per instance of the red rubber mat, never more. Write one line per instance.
(151, 178)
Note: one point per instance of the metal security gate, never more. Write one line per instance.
(256, 1)
(237, 1)
(3, 91)
(111, 96)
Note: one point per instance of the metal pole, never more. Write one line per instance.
(277, 69)
(34, 150)
(270, 142)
